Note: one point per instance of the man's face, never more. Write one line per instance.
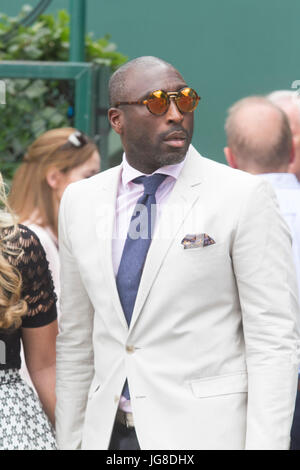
(152, 141)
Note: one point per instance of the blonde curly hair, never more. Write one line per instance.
(12, 306)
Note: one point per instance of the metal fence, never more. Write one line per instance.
(38, 96)
(31, 107)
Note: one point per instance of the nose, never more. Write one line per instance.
(173, 113)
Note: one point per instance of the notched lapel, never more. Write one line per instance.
(180, 203)
(105, 219)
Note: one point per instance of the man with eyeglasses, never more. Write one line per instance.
(179, 308)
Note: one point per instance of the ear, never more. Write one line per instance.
(54, 177)
(115, 117)
(230, 157)
(293, 151)
(295, 142)
(292, 161)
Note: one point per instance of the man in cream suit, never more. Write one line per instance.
(186, 337)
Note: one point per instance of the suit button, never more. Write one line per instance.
(130, 349)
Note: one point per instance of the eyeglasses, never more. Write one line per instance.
(158, 102)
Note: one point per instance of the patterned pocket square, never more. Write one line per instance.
(196, 241)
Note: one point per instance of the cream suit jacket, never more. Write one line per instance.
(211, 352)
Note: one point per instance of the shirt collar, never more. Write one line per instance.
(282, 180)
(129, 173)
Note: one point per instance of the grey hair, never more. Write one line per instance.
(118, 84)
(291, 96)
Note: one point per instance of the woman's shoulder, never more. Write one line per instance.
(44, 234)
(19, 233)
(25, 252)
(22, 244)
(29, 241)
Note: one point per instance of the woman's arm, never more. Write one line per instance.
(40, 351)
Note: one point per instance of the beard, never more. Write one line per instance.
(144, 154)
(170, 158)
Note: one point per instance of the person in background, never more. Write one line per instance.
(289, 102)
(260, 141)
(28, 315)
(54, 160)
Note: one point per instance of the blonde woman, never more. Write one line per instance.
(57, 158)
(28, 315)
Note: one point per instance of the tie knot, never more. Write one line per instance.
(151, 183)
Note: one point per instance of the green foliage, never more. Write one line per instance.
(49, 39)
(34, 106)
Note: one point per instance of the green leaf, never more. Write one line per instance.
(34, 106)
(36, 90)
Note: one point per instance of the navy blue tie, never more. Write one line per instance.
(136, 246)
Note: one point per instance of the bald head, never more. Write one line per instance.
(259, 136)
(120, 80)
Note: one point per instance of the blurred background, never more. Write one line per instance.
(224, 49)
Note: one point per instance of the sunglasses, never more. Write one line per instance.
(158, 102)
(77, 140)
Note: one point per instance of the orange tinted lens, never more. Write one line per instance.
(187, 100)
(157, 103)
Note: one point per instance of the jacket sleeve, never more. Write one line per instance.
(266, 280)
(74, 348)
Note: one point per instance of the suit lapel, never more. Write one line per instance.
(181, 201)
(105, 220)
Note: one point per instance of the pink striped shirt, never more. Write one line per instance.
(127, 197)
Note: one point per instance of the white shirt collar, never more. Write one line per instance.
(282, 180)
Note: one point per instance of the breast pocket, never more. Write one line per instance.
(94, 389)
(205, 261)
(204, 250)
(220, 385)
